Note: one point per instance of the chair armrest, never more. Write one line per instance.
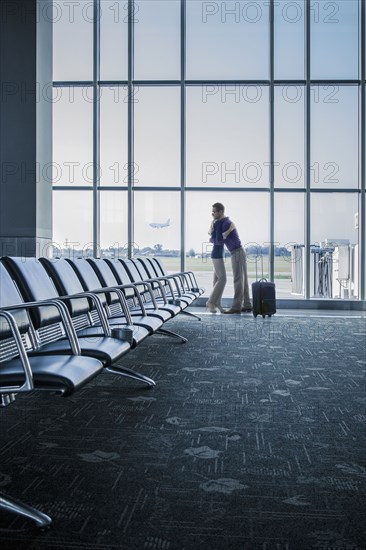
(192, 277)
(124, 304)
(98, 306)
(65, 319)
(151, 291)
(129, 285)
(28, 382)
(148, 287)
(185, 278)
(167, 279)
(122, 300)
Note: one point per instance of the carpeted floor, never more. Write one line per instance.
(253, 438)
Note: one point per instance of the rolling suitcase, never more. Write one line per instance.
(264, 296)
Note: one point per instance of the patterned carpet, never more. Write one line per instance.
(253, 438)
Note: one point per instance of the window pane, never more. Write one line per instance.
(358, 266)
(289, 139)
(289, 237)
(113, 221)
(334, 136)
(113, 135)
(73, 136)
(73, 221)
(73, 56)
(334, 39)
(228, 136)
(334, 252)
(157, 39)
(242, 208)
(157, 225)
(113, 40)
(157, 136)
(227, 40)
(289, 39)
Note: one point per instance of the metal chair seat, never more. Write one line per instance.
(61, 373)
(106, 349)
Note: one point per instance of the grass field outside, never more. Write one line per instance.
(202, 268)
(282, 266)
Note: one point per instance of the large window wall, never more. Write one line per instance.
(163, 107)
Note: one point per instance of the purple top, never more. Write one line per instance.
(230, 235)
(217, 240)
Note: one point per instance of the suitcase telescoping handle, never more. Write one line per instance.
(256, 269)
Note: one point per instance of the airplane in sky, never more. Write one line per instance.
(160, 225)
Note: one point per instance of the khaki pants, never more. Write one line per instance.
(240, 279)
(219, 281)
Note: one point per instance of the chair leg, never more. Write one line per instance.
(167, 332)
(191, 314)
(123, 371)
(16, 507)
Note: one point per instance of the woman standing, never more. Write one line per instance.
(217, 255)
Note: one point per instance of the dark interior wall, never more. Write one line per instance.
(25, 126)
(44, 121)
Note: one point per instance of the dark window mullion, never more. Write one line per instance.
(271, 135)
(130, 170)
(362, 115)
(96, 129)
(307, 150)
(182, 131)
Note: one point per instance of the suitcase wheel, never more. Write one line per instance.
(263, 316)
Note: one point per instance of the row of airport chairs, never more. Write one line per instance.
(63, 322)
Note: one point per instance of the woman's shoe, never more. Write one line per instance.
(220, 308)
(211, 307)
